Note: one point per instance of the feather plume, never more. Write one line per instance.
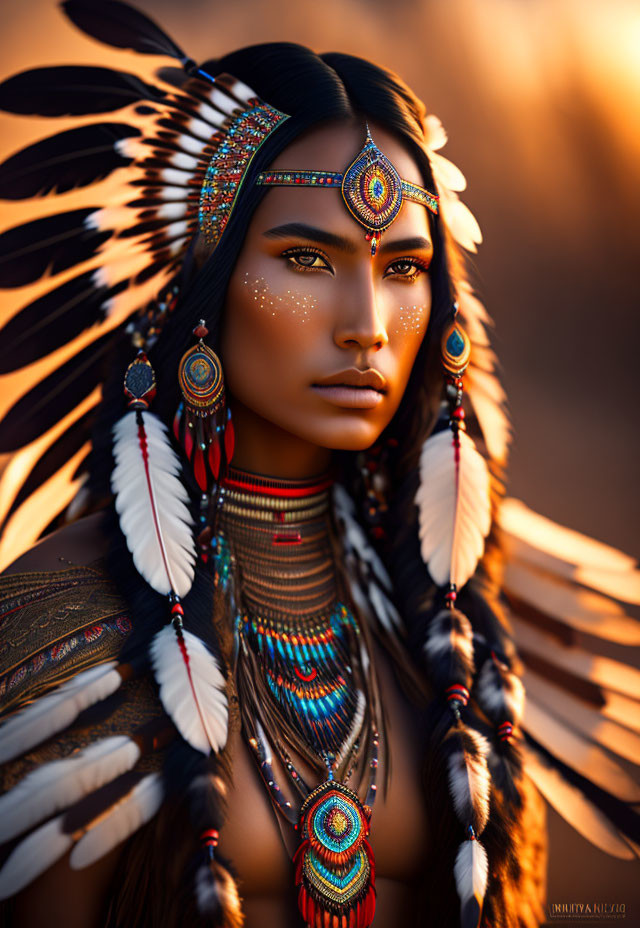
(572, 804)
(369, 580)
(471, 871)
(469, 781)
(124, 818)
(584, 717)
(54, 319)
(578, 752)
(576, 662)
(121, 26)
(583, 610)
(448, 649)
(55, 786)
(151, 502)
(500, 692)
(65, 161)
(73, 91)
(454, 507)
(54, 711)
(48, 246)
(192, 688)
(32, 856)
(51, 398)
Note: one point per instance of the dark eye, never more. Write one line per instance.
(406, 268)
(306, 259)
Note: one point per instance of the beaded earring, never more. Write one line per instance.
(202, 423)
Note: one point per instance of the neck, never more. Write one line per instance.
(264, 448)
(279, 533)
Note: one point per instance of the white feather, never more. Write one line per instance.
(152, 505)
(193, 696)
(54, 711)
(471, 871)
(469, 783)
(487, 398)
(57, 785)
(455, 514)
(39, 851)
(123, 819)
(183, 162)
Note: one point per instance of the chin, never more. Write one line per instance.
(350, 433)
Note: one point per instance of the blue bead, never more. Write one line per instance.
(455, 344)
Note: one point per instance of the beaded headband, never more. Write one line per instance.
(371, 188)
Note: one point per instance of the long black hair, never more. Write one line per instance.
(313, 89)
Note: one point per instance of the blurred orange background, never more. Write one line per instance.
(541, 100)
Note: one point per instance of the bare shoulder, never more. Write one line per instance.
(79, 543)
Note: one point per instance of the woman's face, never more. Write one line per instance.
(319, 338)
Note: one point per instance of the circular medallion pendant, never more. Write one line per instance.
(201, 380)
(335, 871)
(372, 188)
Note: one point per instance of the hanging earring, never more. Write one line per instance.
(202, 423)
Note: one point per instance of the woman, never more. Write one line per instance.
(335, 625)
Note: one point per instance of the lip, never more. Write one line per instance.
(353, 388)
(350, 397)
(353, 377)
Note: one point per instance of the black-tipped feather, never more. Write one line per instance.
(47, 246)
(55, 396)
(65, 161)
(73, 91)
(122, 26)
(55, 457)
(53, 320)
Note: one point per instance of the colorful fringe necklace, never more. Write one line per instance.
(305, 684)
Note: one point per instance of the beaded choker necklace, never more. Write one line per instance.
(305, 683)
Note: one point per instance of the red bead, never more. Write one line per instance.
(451, 596)
(201, 331)
(177, 609)
(458, 413)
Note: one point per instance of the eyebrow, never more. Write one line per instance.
(322, 236)
(313, 234)
(415, 243)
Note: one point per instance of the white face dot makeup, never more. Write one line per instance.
(294, 302)
(410, 319)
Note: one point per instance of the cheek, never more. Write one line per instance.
(291, 303)
(411, 319)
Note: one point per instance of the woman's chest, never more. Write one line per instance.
(260, 843)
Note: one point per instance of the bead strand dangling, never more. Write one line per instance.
(202, 423)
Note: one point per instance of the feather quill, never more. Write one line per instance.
(54, 711)
(55, 786)
(192, 688)
(124, 818)
(454, 507)
(152, 503)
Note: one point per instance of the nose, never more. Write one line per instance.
(360, 323)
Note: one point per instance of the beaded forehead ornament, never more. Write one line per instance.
(371, 188)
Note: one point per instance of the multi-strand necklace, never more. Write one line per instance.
(305, 684)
